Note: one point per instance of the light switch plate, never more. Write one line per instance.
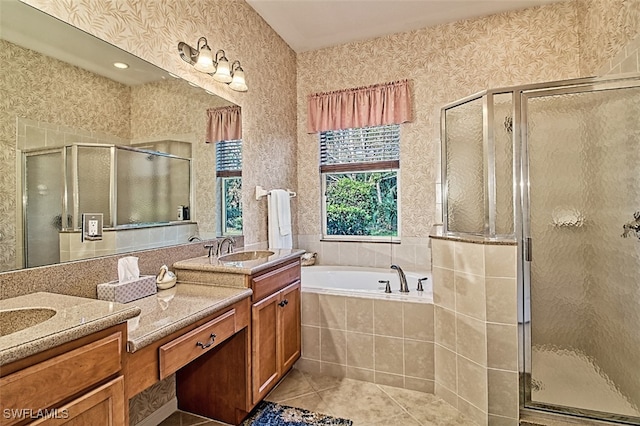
(91, 226)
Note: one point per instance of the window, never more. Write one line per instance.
(229, 185)
(360, 169)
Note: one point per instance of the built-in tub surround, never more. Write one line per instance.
(476, 327)
(367, 335)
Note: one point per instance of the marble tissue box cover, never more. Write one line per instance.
(115, 291)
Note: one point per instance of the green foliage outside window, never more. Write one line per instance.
(232, 194)
(363, 203)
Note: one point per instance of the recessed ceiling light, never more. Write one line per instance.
(193, 84)
(173, 75)
(121, 65)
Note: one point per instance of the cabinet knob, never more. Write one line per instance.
(284, 303)
(207, 345)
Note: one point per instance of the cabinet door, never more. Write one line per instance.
(289, 337)
(265, 323)
(103, 406)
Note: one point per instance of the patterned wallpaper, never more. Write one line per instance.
(106, 110)
(444, 63)
(605, 27)
(151, 29)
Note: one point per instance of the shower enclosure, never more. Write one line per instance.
(556, 166)
(129, 186)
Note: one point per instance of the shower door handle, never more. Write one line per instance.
(527, 249)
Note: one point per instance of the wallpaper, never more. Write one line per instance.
(106, 111)
(444, 63)
(151, 29)
(606, 27)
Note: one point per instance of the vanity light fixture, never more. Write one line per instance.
(216, 65)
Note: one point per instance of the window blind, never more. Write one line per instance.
(364, 148)
(229, 158)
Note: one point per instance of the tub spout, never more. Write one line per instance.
(404, 288)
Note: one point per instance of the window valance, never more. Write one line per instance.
(380, 104)
(224, 124)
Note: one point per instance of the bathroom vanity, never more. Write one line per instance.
(229, 331)
(275, 342)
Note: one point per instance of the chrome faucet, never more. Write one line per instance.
(213, 247)
(230, 244)
(404, 288)
(194, 238)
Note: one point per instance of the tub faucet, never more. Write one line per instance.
(404, 288)
(230, 244)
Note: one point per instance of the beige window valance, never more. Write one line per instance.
(380, 104)
(224, 124)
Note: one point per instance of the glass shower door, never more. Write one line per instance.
(582, 155)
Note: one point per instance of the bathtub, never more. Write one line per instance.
(363, 282)
(352, 328)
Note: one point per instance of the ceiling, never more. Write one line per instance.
(314, 24)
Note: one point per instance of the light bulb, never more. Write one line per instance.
(205, 60)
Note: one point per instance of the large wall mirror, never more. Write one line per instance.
(87, 128)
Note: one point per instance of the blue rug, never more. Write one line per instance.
(272, 414)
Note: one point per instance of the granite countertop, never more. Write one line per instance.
(248, 267)
(172, 309)
(74, 317)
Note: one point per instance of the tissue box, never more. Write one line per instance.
(126, 292)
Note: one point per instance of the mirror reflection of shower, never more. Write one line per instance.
(131, 187)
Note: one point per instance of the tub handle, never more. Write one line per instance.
(420, 280)
(387, 287)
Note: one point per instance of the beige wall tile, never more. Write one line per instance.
(360, 314)
(367, 254)
(330, 254)
(500, 261)
(310, 342)
(387, 318)
(387, 379)
(447, 395)
(470, 295)
(503, 393)
(360, 374)
(333, 370)
(420, 385)
(360, 350)
(308, 365)
(469, 258)
(446, 368)
(502, 300)
(502, 346)
(388, 352)
(442, 253)
(471, 339)
(472, 412)
(349, 254)
(502, 421)
(309, 308)
(334, 346)
(472, 382)
(418, 321)
(332, 311)
(445, 328)
(444, 292)
(419, 359)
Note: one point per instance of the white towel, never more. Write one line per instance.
(279, 219)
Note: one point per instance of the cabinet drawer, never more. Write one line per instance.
(45, 384)
(267, 284)
(181, 351)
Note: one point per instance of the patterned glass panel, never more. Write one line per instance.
(585, 276)
(43, 178)
(150, 187)
(465, 169)
(503, 143)
(94, 171)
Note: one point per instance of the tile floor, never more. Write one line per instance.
(364, 403)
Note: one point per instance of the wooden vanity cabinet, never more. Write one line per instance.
(275, 324)
(79, 382)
